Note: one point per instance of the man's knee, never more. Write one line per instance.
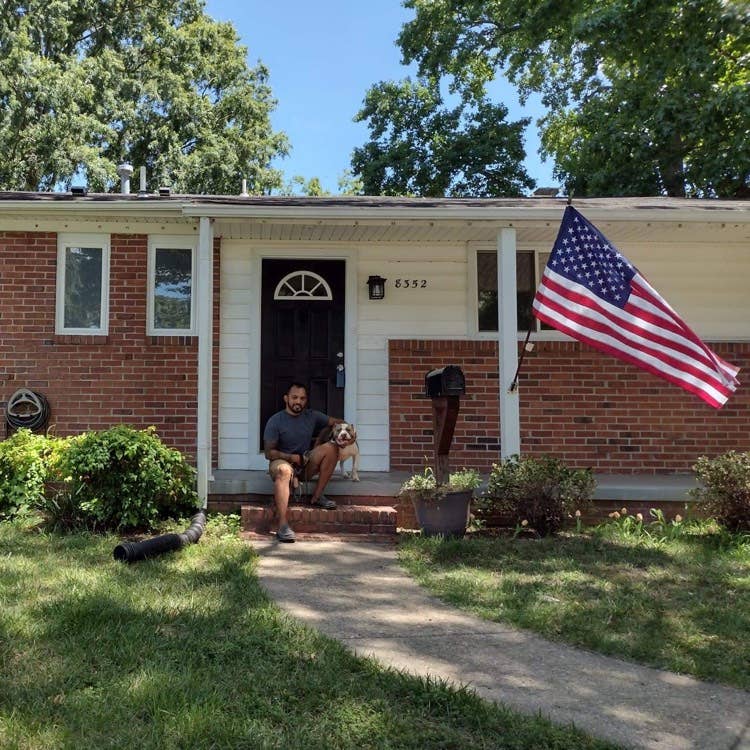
(281, 471)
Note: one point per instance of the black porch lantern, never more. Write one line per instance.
(376, 287)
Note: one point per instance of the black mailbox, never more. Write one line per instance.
(445, 381)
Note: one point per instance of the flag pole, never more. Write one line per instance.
(514, 384)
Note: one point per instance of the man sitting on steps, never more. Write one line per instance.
(286, 441)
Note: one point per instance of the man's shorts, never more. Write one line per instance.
(277, 463)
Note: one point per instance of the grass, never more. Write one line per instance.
(187, 651)
(680, 603)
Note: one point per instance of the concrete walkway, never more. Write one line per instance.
(358, 594)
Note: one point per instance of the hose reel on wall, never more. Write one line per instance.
(26, 408)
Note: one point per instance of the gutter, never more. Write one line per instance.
(501, 216)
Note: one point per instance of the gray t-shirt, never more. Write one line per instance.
(293, 434)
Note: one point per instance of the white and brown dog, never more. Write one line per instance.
(344, 435)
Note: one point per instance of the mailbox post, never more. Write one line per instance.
(444, 385)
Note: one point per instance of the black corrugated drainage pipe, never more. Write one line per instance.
(133, 551)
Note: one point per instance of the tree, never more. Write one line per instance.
(643, 96)
(298, 185)
(418, 146)
(87, 84)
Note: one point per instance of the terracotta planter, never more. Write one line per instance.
(446, 514)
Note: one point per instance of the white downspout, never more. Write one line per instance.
(507, 348)
(204, 300)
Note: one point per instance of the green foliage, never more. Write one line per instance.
(681, 604)
(25, 458)
(660, 529)
(87, 85)
(643, 97)
(189, 652)
(298, 185)
(417, 146)
(724, 491)
(538, 492)
(425, 483)
(120, 478)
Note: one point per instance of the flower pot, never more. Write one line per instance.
(446, 513)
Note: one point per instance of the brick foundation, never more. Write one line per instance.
(586, 408)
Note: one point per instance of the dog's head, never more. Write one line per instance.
(343, 434)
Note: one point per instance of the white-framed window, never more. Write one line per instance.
(529, 268)
(82, 305)
(303, 285)
(171, 277)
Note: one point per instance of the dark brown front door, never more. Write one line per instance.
(302, 333)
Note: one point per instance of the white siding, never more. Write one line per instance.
(706, 285)
(439, 310)
(234, 357)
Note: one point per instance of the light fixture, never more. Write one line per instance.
(376, 287)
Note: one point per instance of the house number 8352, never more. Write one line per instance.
(410, 283)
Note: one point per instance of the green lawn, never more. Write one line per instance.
(681, 604)
(187, 652)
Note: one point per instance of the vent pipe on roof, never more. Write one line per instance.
(125, 171)
(243, 194)
(142, 187)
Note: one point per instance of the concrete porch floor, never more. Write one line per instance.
(613, 487)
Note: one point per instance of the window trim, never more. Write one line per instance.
(326, 296)
(538, 334)
(82, 239)
(170, 242)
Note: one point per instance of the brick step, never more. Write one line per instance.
(376, 520)
(373, 500)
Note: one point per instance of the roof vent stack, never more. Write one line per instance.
(142, 187)
(243, 194)
(125, 171)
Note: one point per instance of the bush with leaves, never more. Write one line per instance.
(25, 460)
(121, 478)
(724, 491)
(425, 485)
(541, 491)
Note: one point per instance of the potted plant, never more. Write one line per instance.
(442, 509)
(538, 493)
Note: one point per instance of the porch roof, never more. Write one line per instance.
(396, 219)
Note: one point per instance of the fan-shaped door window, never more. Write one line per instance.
(303, 285)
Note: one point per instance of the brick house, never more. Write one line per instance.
(191, 313)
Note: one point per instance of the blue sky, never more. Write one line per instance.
(322, 59)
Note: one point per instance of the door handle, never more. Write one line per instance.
(340, 376)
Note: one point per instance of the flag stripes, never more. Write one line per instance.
(592, 293)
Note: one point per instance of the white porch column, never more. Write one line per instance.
(510, 420)
(204, 309)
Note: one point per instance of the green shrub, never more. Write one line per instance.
(425, 484)
(120, 478)
(538, 492)
(724, 491)
(25, 459)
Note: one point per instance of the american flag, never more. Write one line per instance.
(592, 292)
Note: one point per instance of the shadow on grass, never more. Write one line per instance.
(187, 651)
(681, 607)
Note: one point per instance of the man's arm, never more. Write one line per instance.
(272, 452)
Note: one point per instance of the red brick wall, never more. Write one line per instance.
(94, 382)
(582, 406)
